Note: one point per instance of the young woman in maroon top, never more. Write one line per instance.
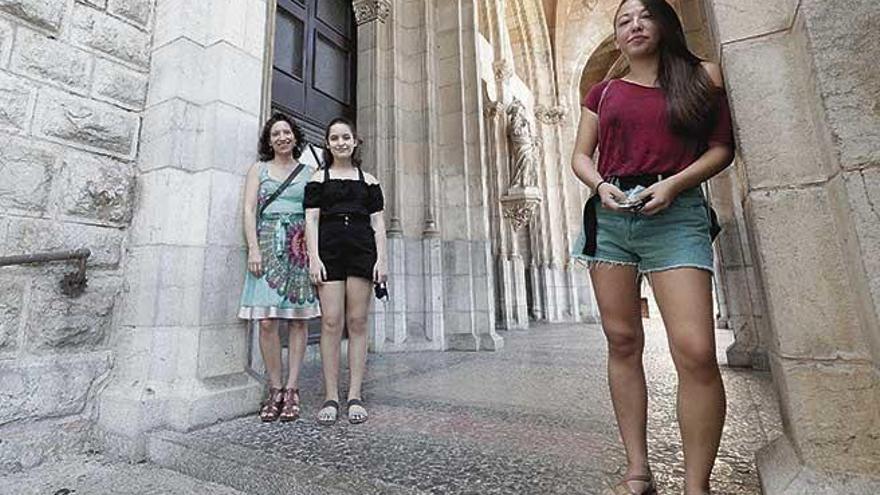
(664, 125)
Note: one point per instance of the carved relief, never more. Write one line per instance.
(371, 10)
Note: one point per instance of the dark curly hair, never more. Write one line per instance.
(355, 156)
(265, 149)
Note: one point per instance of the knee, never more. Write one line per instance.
(267, 327)
(624, 340)
(331, 325)
(357, 324)
(695, 361)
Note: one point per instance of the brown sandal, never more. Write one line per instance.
(623, 487)
(290, 410)
(271, 408)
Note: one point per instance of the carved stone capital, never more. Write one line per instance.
(503, 70)
(493, 108)
(371, 10)
(551, 115)
(519, 205)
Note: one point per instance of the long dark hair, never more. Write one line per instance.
(691, 96)
(355, 155)
(265, 149)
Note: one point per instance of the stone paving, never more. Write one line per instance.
(534, 418)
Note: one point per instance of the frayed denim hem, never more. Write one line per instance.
(711, 270)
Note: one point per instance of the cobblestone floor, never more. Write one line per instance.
(534, 418)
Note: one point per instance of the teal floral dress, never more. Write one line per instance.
(284, 290)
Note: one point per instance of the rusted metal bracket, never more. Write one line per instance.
(72, 284)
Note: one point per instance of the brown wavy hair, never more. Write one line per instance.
(691, 96)
(264, 148)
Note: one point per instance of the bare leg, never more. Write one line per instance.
(332, 296)
(685, 299)
(298, 337)
(270, 348)
(357, 306)
(617, 294)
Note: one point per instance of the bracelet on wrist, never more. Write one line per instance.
(599, 185)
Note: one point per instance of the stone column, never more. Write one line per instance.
(813, 182)
(375, 90)
(180, 350)
(469, 311)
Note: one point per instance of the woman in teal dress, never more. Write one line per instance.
(277, 284)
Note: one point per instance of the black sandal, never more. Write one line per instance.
(325, 405)
(363, 418)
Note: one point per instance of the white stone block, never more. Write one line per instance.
(181, 19)
(173, 208)
(225, 210)
(16, 100)
(6, 35)
(46, 14)
(86, 124)
(12, 299)
(222, 350)
(177, 71)
(172, 133)
(27, 171)
(787, 91)
(109, 35)
(54, 387)
(229, 141)
(137, 11)
(65, 324)
(120, 84)
(222, 282)
(164, 286)
(233, 76)
(41, 57)
(98, 188)
(738, 19)
(863, 190)
(811, 310)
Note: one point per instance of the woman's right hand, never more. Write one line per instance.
(611, 196)
(255, 262)
(317, 272)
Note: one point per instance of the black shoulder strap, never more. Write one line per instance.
(326, 174)
(361, 175)
(282, 187)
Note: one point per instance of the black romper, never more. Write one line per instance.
(346, 242)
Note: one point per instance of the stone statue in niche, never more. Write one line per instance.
(524, 149)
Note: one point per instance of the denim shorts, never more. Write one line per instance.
(676, 237)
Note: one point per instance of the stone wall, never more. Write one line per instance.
(73, 80)
(810, 189)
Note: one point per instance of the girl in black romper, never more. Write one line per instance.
(345, 234)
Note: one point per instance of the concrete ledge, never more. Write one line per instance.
(782, 473)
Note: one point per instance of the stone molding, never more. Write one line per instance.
(551, 115)
(519, 205)
(371, 10)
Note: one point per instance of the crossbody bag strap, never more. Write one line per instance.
(282, 187)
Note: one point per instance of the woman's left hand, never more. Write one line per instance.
(658, 197)
(380, 272)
